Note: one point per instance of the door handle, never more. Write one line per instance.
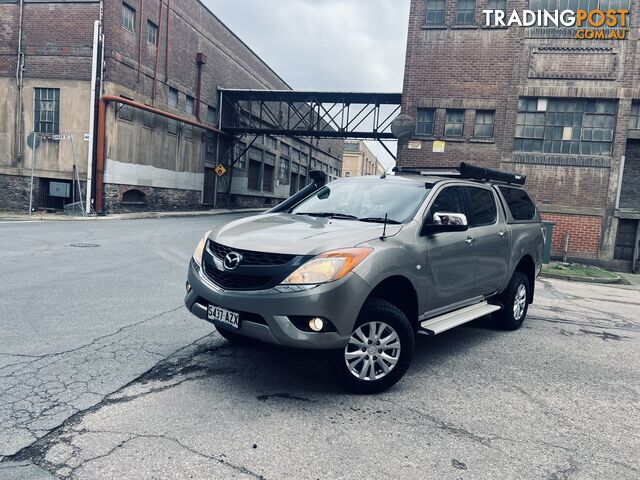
(469, 241)
(502, 233)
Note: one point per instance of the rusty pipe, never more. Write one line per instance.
(101, 140)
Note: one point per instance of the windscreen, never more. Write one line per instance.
(366, 200)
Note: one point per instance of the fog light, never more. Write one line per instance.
(188, 286)
(316, 324)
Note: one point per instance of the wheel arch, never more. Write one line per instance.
(527, 266)
(400, 292)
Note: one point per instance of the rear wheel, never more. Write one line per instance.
(379, 351)
(516, 302)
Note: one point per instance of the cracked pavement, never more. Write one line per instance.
(104, 375)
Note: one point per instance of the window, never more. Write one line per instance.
(519, 203)
(125, 112)
(284, 150)
(352, 147)
(128, 17)
(363, 198)
(454, 124)
(172, 98)
(240, 155)
(635, 116)
(497, 5)
(212, 115)
(148, 119)
(152, 33)
(271, 143)
(466, 12)
(450, 200)
(46, 111)
(483, 207)
(189, 108)
(284, 170)
(566, 126)
(484, 124)
(435, 12)
(424, 125)
(211, 147)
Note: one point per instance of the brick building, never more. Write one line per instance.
(538, 101)
(358, 160)
(172, 55)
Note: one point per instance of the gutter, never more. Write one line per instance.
(102, 120)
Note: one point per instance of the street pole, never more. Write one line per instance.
(33, 164)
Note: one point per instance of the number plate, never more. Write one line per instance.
(221, 315)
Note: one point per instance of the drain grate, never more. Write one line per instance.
(84, 245)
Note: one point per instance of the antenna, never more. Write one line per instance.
(384, 229)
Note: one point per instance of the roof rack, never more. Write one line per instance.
(467, 171)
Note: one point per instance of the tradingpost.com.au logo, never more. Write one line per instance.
(593, 24)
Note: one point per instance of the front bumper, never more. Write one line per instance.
(339, 302)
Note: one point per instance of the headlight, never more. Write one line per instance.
(197, 255)
(328, 267)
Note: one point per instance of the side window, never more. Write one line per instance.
(519, 203)
(450, 200)
(483, 207)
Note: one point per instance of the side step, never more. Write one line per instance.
(450, 320)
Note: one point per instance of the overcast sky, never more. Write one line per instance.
(342, 45)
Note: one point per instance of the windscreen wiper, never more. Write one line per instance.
(338, 216)
(380, 220)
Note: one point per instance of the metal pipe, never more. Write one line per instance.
(166, 44)
(140, 38)
(102, 120)
(155, 66)
(19, 84)
(92, 112)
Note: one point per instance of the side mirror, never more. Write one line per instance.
(446, 222)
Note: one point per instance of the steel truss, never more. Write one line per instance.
(309, 114)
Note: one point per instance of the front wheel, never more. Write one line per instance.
(516, 302)
(379, 351)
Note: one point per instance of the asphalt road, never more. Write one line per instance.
(104, 375)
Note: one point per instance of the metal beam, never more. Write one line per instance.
(309, 114)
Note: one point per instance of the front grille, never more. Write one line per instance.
(234, 281)
(250, 258)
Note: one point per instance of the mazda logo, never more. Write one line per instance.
(232, 260)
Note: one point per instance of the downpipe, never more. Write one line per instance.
(92, 112)
(20, 85)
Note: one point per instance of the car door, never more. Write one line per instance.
(488, 228)
(451, 256)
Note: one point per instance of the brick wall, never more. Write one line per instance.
(478, 68)
(584, 234)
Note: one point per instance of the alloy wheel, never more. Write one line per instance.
(373, 351)
(520, 303)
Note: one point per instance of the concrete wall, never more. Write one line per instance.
(58, 40)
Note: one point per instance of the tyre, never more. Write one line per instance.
(516, 302)
(379, 351)
(235, 338)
